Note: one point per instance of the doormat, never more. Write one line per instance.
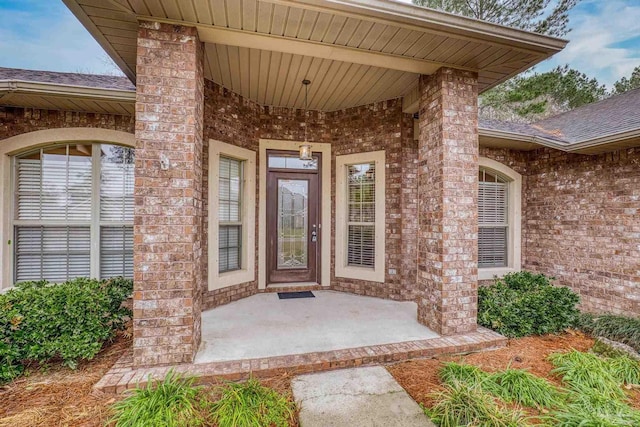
(292, 295)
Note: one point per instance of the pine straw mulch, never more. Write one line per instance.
(58, 396)
(420, 377)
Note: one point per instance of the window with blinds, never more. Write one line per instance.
(55, 196)
(229, 215)
(361, 201)
(493, 220)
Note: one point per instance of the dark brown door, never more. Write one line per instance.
(293, 203)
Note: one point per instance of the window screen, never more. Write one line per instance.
(230, 215)
(493, 220)
(361, 215)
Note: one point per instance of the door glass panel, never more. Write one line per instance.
(293, 209)
(282, 161)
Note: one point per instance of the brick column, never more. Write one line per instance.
(448, 194)
(168, 200)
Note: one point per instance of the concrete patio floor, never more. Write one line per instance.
(264, 326)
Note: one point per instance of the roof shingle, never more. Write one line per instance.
(72, 79)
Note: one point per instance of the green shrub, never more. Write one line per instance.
(250, 404)
(524, 303)
(520, 386)
(617, 328)
(174, 402)
(462, 404)
(40, 321)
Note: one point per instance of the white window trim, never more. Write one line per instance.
(377, 273)
(247, 271)
(514, 250)
(14, 145)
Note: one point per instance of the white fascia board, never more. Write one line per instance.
(55, 89)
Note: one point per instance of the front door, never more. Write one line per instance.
(293, 206)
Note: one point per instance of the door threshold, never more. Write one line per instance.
(292, 285)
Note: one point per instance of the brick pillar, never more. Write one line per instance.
(448, 194)
(168, 201)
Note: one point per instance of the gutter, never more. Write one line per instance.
(55, 89)
(560, 145)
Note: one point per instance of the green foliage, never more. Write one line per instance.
(524, 303)
(40, 321)
(463, 404)
(589, 408)
(541, 16)
(453, 372)
(605, 350)
(250, 404)
(624, 369)
(520, 386)
(625, 84)
(617, 328)
(539, 95)
(586, 372)
(174, 402)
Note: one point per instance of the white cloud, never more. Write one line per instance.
(597, 25)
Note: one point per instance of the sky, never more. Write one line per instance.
(44, 35)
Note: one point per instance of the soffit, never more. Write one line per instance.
(370, 50)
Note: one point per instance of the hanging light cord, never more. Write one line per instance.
(306, 106)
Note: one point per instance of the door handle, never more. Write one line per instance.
(314, 236)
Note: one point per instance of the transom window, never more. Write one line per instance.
(73, 212)
(230, 215)
(493, 219)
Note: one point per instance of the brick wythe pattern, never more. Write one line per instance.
(448, 193)
(168, 235)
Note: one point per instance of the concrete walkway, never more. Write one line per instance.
(359, 397)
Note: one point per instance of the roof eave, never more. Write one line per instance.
(105, 94)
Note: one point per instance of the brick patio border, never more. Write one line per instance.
(123, 376)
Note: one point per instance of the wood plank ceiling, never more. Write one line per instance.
(273, 78)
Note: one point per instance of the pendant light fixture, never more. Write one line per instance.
(305, 149)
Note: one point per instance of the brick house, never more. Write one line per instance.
(217, 176)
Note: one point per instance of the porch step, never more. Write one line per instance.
(123, 376)
(357, 397)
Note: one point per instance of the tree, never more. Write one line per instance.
(625, 84)
(537, 96)
(549, 17)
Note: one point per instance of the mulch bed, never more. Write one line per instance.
(420, 377)
(58, 396)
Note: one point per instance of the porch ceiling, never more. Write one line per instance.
(353, 51)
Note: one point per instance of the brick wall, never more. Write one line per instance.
(16, 121)
(583, 225)
(379, 126)
(232, 119)
(168, 235)
(447, 207)
(581, 222)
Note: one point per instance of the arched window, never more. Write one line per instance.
(73, 212)
(499, 225)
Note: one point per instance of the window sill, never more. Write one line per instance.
(360, 273)
(491, 273)
(231, 278)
